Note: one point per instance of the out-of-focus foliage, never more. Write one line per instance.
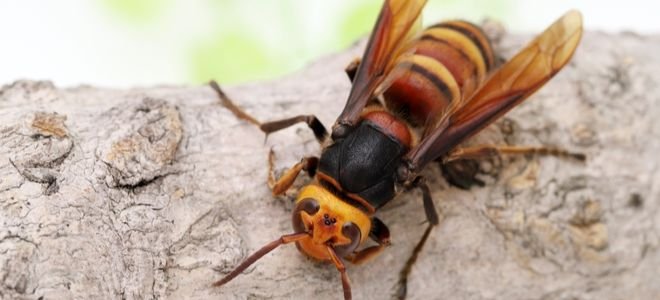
(357, 22)
(234, 57)
(125, 43)
(137, 11)
(256, 39)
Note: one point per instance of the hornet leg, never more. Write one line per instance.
(461, 173)
(403, 275)
(460, 166)
(351, 70)
(281, 185)
(489, 150)
(432, 217)
(312, 121)
(429, 207)
(345, 282)
(352, 67)
(381, 235)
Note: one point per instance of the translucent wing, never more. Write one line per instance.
(507, 87)
(395, 27)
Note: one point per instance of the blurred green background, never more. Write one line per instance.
(123, 43)
(256, 39)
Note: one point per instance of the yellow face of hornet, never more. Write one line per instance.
(330, 222)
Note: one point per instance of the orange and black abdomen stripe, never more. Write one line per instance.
(450, 60)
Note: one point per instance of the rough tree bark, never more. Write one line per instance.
(156, 192)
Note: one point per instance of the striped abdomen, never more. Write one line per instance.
(450, 60)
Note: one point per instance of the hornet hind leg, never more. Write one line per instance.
(461, 173)
(460, 166)
(477, 152)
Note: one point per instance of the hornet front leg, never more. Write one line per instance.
(381, 235)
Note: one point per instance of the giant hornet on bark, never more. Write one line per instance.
(416, 96)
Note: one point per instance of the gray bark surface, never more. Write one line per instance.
(157, 192)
